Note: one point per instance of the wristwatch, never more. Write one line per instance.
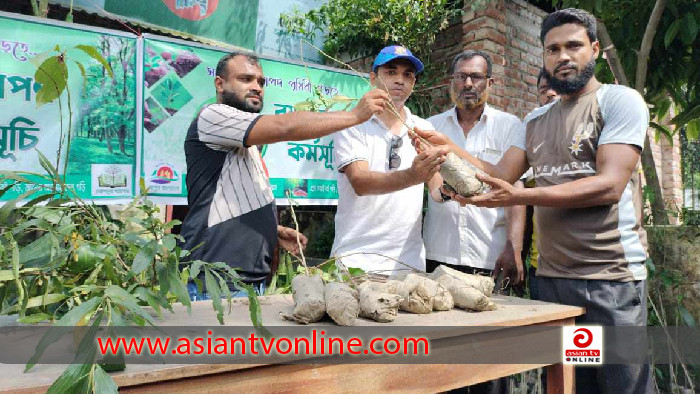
(444, 196)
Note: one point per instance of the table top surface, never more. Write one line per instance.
(511, 311)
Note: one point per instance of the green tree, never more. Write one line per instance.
(358, 28)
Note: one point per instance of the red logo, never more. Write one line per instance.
(193, 10)
(583, 339)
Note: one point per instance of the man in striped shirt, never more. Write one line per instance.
(232, 209)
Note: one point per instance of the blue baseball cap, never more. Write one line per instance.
(396, 52)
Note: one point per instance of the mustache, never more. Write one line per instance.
(253, 95)
(564, 65)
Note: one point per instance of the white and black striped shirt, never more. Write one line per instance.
(242, 186)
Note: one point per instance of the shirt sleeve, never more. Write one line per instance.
(223, 127)
(515, 134)
(625, 116)
(350, 146)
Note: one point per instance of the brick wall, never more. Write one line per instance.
(508, 30)
(667, 157)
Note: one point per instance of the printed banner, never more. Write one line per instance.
(97, 110)
(232, 22)
(179, 81)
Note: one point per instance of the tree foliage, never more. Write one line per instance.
(358, 28)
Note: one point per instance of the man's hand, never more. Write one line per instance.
(427, 163)
(373, 102)
(287, 238)
(501, 194)
(510, 263)
(433, 137)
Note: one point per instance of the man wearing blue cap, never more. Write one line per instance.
(381, 177)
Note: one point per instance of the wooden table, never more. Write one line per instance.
(171, 378)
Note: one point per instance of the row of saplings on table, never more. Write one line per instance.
(442, 290)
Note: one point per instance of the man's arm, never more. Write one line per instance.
(510, 168)
(510, 261)
(299, 126)
(366, 182)
(615, 165)
(434, 187)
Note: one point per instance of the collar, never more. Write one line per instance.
(408, 120)
(485, 115)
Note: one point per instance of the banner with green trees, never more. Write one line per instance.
(68, 93)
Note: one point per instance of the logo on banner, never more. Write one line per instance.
(163, 174)
(583, 345)
(193, 10)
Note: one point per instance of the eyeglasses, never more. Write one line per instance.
(394, 158)
(462, 78)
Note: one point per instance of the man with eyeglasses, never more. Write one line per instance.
(381, 177)
(474, 239)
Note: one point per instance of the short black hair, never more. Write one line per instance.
(470, 53)
(222, 70)
(570, 15)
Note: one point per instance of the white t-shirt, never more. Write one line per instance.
(388, 224)
(470, 235)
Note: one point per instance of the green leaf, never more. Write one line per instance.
(38, 200)
(44, 300)
(103, 383)
(50, 169)
(169, 242)
(171, 224)
(180, 290)
(94, 53)
(195, 267)
(151, 299)
(35, 318)
(689, 29)
(82, 72)
(121, 297)
(307, 105)
(71, 318)
(256, 312)
(671, 32)
(52, 74)
(692, 129)
(73, 380)
(215, 292)
(687, 317)
(662, 129)
(686, 116)
(40, 251)
(6, 275)
(144, 258)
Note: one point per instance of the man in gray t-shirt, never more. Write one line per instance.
(584, 150)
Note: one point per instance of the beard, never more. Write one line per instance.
(230, 98)
(574, 83)
(471, 103)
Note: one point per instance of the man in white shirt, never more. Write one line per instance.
(474, 239)
(380, 179)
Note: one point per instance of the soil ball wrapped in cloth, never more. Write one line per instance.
(416, 293)
(458, 174)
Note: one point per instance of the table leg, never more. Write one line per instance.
(561, 379)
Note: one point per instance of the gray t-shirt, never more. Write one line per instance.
(603, 242)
